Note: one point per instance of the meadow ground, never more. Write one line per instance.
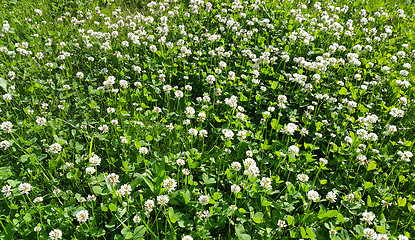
(204, 119)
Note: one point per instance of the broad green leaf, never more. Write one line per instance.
(97, 190)
(401, 202)
(139, 232)
(368, 185)
(340, 217)
(290, 220)
(381, 229)
(343, 91)
(372, 166)
(113, 207)
(3, 84)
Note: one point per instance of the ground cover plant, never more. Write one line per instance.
(207, 120)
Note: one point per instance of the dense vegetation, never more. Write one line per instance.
(207, 119)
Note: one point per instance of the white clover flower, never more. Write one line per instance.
(7, 97)
(55, 148)
(6, 127)
(368, 217)
(37, 229)
(38, 199)
(228, 134)
(281, 224)
(186, 171)
(5, 144)
(153, 48)
(302, 177)
(125, 190)
(235, 188)
(163, 200)
(313, 195)
(395, 112)
(293, 150)
(103, 128)
(204, 199)
(25, 188)
(41, 121)
(180, 162)
(266, 183)
(210, 79)
(79, 75)
(190, 111)
(236, 166)
(149, 205)
(82, 216)
(252, 172)
(187, 237)
(203, 133)
(113, 179)
(94, 160)
(7, 190)
(193, 131)
(369, 233)
(402, 237)
(331, 196)
(136, 219)
(170, 184)
(55, 234)
(143, 151)
(290, 128)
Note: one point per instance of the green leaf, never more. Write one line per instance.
(381, 229)
(274, 123)
(171, 215)
(147, 181)
(290, 220)
(401, 202)
(97, 232)
(323, 181)
(149, 138)
(3, 84)
(266, 203)
(372, 166)
(217, 196)
(97, 190)
(208, 180)
(257, 220)
(139, 232)
(258, 217)
(27, 217)
(310, 233)
(343, 91)
(340, 217)
(368, 185)
(331, 213)
(24, 158)
(113, 207)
